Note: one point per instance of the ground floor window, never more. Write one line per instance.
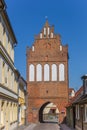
(77, 112)
(86, 112)
(2, 113)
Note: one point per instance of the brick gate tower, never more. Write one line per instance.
(47, 75)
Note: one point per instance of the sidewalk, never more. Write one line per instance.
(65, 127)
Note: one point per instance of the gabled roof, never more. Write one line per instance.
(81, 100)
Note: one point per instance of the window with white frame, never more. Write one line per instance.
(39, 72)
(54, 72)
(77, 112)
(85, 112)
(61, 72)
(31, 72)
(46, 72)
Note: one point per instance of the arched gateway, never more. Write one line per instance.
(47, 77)
(48, 113)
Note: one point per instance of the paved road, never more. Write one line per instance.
(46, 126)
(43, 126)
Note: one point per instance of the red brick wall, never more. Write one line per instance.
(47, 51)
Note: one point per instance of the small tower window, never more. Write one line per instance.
(51, 34)
(40, 35)
(44, 32)
(32, 48)
(60, 48)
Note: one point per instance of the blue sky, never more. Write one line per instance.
(70, 20)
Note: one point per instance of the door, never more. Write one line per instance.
(74, 117)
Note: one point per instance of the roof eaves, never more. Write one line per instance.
(10, 26)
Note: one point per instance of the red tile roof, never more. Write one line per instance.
(77, 94)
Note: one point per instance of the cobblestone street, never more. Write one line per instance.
(41, 126)
(45, 126)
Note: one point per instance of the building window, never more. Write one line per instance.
(31, 72)
(54, 72)
(6, 38)
(2, 113)
(61, 72)
(39, 72)
(46, 72)
(77, 112)
(11, 113)
(85, 112)
(3, 72)
(3, 29)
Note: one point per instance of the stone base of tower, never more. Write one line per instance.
(36, 107)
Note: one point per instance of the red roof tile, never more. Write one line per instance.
(77, 94)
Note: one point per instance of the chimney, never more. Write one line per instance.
(84, 78)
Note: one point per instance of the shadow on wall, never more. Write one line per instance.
(64, 121)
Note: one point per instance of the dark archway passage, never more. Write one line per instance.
(41, 112)
(48, 113)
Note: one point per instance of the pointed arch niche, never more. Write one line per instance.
(61, 72)
(39, 72)
(54, 72)
(46, 72)
(31, 72)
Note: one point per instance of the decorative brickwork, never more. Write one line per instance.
(48, 83)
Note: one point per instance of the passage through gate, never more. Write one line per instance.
(48, 113)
